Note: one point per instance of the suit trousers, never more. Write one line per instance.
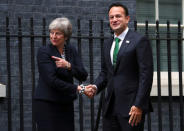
(113, 121)
(53, 116)
(118, 123)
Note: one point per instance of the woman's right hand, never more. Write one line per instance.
(61, 63)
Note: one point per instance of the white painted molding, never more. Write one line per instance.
(160, 25)
(2, 90)
(164, 84)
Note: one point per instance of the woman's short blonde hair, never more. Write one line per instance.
(63, 24)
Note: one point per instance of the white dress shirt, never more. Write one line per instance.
(121, 37)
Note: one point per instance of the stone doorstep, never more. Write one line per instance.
(164, 84)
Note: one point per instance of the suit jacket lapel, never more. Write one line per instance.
(108, 53)
(123, 47)
(55, 51)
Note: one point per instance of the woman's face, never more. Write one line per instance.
(57, 37)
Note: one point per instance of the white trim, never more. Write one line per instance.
(160, 25)
(164, 84)
(182, 12)
(2, 90)
(156, 10)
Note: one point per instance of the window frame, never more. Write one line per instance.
(164, 74)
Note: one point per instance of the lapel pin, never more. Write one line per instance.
(127, 41)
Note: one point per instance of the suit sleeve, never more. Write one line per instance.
(77, 68)
(48, 73)
(145, 63)
(101, 80)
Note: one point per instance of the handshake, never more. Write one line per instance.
(89, 90)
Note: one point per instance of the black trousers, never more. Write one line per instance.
(116, 122)
(52, 116)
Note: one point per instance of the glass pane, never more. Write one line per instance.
(170, 10)
(145, 10)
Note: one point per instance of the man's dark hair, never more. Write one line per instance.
(119, 5)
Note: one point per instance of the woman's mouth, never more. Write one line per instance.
(54, 41)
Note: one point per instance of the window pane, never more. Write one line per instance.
(145, 10)
(170, 10)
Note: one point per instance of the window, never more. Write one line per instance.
(162, 10)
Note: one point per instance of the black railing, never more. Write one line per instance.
(158, 76)
(9, 76)
(95, 120)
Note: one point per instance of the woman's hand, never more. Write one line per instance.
(61, 63)
(89, 90)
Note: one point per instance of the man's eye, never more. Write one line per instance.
(111, 17)
(118, 16)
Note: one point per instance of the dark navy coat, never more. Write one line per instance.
(56, 84)
(131, 79)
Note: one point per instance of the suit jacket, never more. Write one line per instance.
(131, 79)
(56, 84)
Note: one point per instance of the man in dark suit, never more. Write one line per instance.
(127, 74)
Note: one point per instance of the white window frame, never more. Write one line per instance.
(164, 75)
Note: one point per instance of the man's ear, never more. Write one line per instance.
(128, 19)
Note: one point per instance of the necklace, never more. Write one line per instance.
(63, 55)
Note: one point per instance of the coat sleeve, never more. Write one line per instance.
(77, 68)
(101, 80)
(48, 72)
(145, 63)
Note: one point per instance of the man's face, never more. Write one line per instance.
(118, 20)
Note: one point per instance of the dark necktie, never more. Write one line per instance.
(116, 49)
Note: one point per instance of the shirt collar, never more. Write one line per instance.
(122, 35)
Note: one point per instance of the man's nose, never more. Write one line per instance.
(114, 19)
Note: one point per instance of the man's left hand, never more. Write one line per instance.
(135, 115)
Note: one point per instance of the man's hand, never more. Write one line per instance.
(61, 63)
(90, 91)
(135, 115)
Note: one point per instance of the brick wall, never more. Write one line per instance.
(50, 9)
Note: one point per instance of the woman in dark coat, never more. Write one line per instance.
(58, 64)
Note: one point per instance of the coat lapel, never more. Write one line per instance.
(108, 53)
(54, 51)
(126, 42)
